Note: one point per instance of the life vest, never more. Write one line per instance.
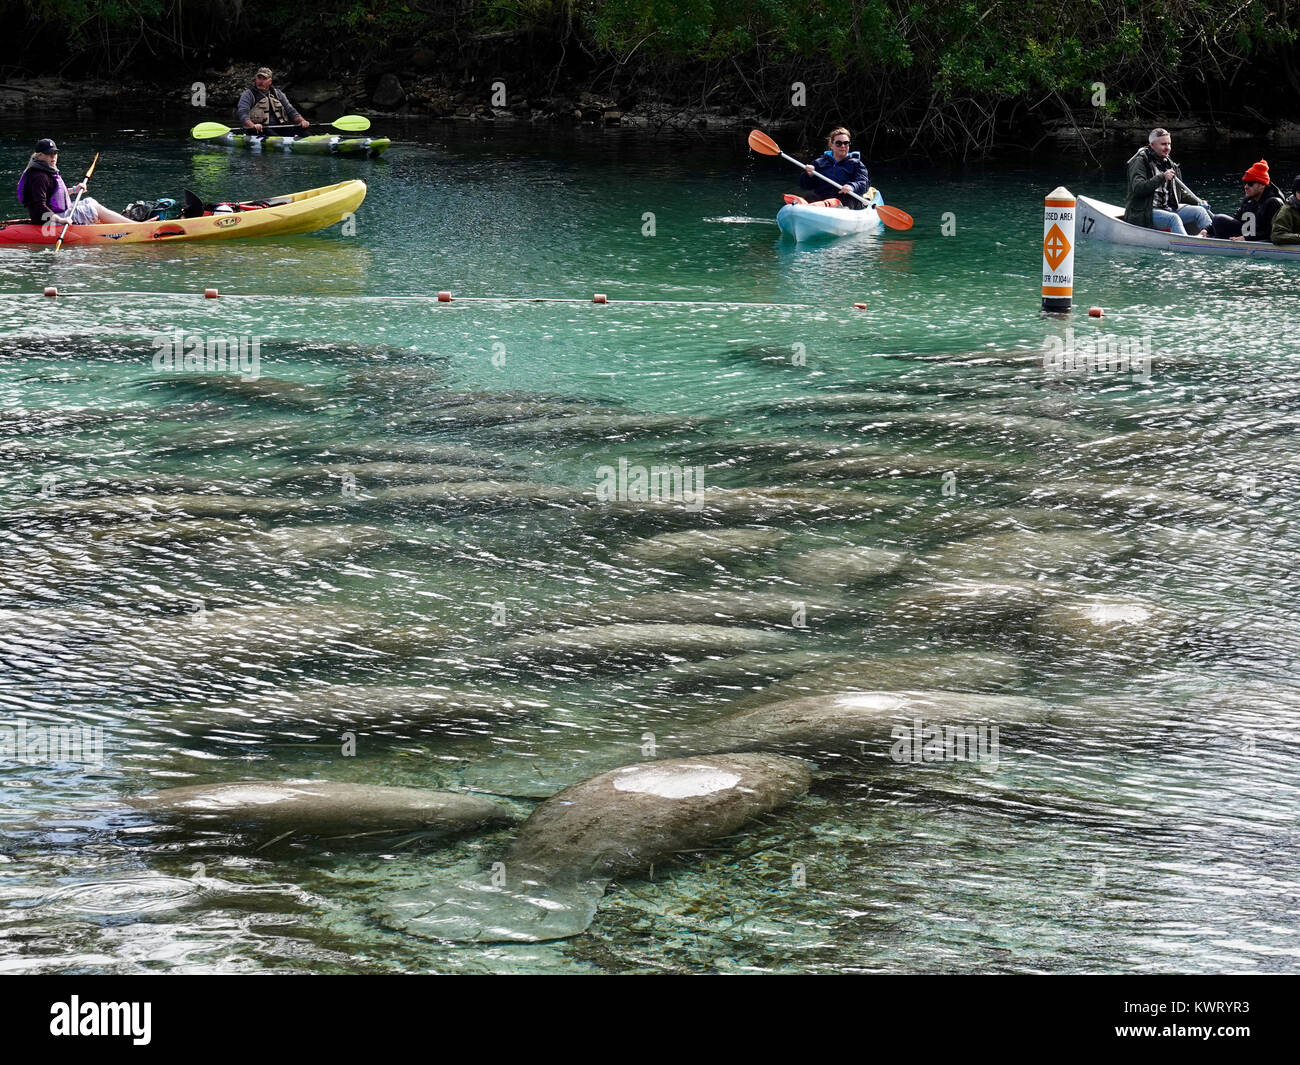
(59, 201)
(268, 111)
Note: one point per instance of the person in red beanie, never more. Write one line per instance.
(1254, 218)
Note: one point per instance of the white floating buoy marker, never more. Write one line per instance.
(1058, 250)
(50, 290)
(600, 297)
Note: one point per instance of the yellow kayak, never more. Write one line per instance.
(298, 212)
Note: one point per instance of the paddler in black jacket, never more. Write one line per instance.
(265, 105)
(50, 202)
(1254, 220)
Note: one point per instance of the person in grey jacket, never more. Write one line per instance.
(1157, 196)
(265, 105)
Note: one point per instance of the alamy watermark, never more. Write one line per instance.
(1098, 354)
(47, 744)
(178, 351)
(919, 742)
(634, 483)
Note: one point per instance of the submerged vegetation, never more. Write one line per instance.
(956, 76)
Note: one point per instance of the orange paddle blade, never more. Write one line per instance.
(761, 142)
(893, 217)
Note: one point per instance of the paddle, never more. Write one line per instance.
(59, 243)
(891, 216)
(206, 131)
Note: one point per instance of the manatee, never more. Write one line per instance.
(841, 722)
(328, 707)
(237, 435)
(268, 390)
(971, 605)
(1134, 500)
(460, 496)
(1147, 446)
(745, 669)
(616, 426)
(771, 606)
(740, 505)
(759, 504)
(313, 543)
(859, 400)
(136, 508)
(705, 545)
(957, 520)
(142, 648)
(843, 566)
(1027, 554)
(609, 645)
(987, 426)
(1113, 625)
(619, 823)
(964, 671)
(460, 411)
(330, 475)
(401, 449)
(309, 807)
(883, 465)
(31, 421)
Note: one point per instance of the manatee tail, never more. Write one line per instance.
(476, 910)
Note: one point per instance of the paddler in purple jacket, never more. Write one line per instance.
(839, 164)
(48, 200)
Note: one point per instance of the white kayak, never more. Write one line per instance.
(1104, 221)
(809, 221)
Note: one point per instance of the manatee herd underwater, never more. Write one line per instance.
(203, 572)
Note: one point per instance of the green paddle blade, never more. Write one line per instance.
(352, 123)
(205, 131)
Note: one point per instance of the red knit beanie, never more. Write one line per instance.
(1258, 172)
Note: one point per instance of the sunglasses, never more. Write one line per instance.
(838, 144)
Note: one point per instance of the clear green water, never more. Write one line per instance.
(1148, 823)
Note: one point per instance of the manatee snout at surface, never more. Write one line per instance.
(618, 823)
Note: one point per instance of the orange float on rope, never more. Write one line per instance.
(444, 297)
(860, 306)
(1096, 312)
(600, 297)
(50, 290)
(211, 294)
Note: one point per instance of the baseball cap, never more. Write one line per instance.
(46, 146)
(264, 72)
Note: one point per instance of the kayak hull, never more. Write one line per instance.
(301, 212)
(1097, 220)
(808, 221)
(317, 144)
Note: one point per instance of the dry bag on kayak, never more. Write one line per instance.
(147, 210)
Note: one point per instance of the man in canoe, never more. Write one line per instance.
(1286, 223)
(265, 105)
(839, 164)
(49, 201)
(1157, 197)
(1254, 220)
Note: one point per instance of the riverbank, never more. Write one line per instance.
(507, 100)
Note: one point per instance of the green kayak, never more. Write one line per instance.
(316, 144)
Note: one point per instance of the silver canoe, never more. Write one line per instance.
(1104, 221)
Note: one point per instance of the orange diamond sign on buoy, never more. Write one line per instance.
(1056, 246)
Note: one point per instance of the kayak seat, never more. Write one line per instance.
(790, 197)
